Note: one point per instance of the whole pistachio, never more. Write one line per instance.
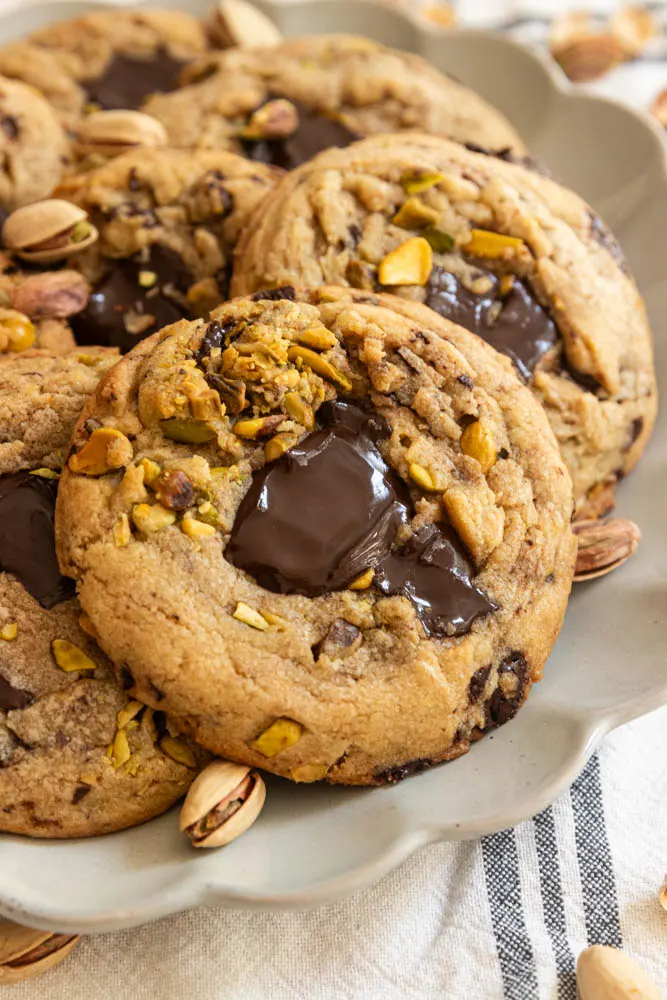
(604, 545)
(52, 294)
(25, 953)
(605, 973)
(223, 802)
(239, 23)
(110, 133)
(48, 231)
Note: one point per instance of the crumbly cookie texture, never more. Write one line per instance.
(168, 222)
(328, 532)
(108, 59)
(340, 86)
(496, 247)
(34, 148)
(41, 396)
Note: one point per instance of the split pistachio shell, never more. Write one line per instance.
(114, 132)
(25, 953)
(48, 231)
(240, 23)
(605, 973)
(604, 545)
(222, 803)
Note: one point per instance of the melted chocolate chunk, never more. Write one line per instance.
(120, 294)
(323, 513)
(10, 127)
(395, 774)
(27, 547)
(275, 294)
(128, 81)
(80, 792)
(11, 697)
(315, 133)
(506, 700)
(605, 238)
(478, 683)
(522, 328)
(435, 574)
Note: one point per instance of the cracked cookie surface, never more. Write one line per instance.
(107, 59)
(168, 222)
(341, 87)
(78, 756)
(496, 247)
(327, 531)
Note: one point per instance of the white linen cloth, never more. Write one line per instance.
(500, 918)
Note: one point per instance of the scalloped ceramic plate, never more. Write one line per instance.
(315, 843)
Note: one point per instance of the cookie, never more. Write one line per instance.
(350, 570)
(498, 248)
(285, 104)
(107, 59)
(33, 146)
(41, 396)
(168, 222)
(77, 756)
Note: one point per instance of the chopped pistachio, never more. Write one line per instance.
(483, 243)
(420, 179)
(477, 442)
(69, 657)
(364, 581)
(309, 772)
(193, 528)
(319, 365)
(188, 430)
(128, 713)
(9, 631)
(422, 477)
(121, 531)
(152, 517)
(280, 735)
(414, 214)
(319, 338)
(244, 613)
(439, 241)
(147, 279)
(299, 410)
(409, 264)
(45, 473)
(178, 751)
(120, 750)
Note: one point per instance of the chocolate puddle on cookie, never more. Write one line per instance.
(315, 133)
(515, 324)
(331, 507)
(138, 296)
(27, 545)
(128, 81)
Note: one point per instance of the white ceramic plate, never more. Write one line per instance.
(314, 843)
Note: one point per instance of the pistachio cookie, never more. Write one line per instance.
(77, 756)
(167, 224)
(107, 59)
(34, 149)
(498, 248)
(366, 511)
(285, 104)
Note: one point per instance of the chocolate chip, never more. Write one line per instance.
(127, 81)
(155, 692)
(10, 127)
(635, 430)
(342, 635)
(505, 701)
(232, 392)
(126, 678)
(275, 294)
(80, 792)
(215, 336)
(466, 381)
(12, 698)
(316, 132)
(395, 774)
(478, 683)
(503, 454)
(604, 237)
(27, 545)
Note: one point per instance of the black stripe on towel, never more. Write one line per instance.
(551, 890)
(503, 886)
(596, 870)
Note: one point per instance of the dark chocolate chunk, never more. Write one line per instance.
(316, 132)
(214, 336)
(127, 81)
(466, 381)
(126, 678)
(275, 294)
(516, 325)
(27, 546)
(635, 430)
(435, 574)
(323, 513)
(120, 295)
(11, 697)
(506, 700)
(80, 792)
(478, 683)
(10, 127)
(604, 237)
(395, 774)
(338, 641)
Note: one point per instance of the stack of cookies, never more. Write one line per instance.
(306, 369)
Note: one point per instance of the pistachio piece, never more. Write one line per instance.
(87, 626)
(48, 230)
(280, 735)
(45, 473)
(364, 581)
(150, 518)
(9, 631)
(483, 243)
(604, 545)
(319, 338)
(409, 264)
(151, 470)
(438, 240)
(258, 427)
(239, 23)
(309, 772)
(277, 446)
(222, 803)
(121, 531)
(414, 214)
(420, 179)
(17, 333)
(299, 410)
(359, 274)
(319, 365)
(128, 713)
(274, 120)
(25, 953)
(69, 657)
(178, 751)
(110, 133)
(477, 442)
(174, 490)
(244, 613)
(187, 430)
(120, 751)
(194, 528)
(105, 449)
(423, 478)
(605, 973)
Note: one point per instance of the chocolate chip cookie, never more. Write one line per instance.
(34, 149)
(168, 222)
(77, 756)
(328, 532)
(284, 105)
(498, 248)
(107, 59)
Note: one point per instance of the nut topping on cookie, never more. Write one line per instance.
(223, 802)
(604, 545)
(48, 231)
(111, 133)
